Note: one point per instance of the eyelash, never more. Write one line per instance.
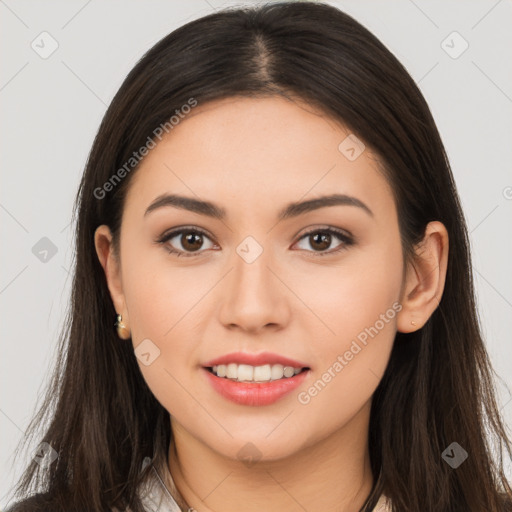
(347, 240)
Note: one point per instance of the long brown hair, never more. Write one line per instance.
(99, 414)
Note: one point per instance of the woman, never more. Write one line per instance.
(269, 215)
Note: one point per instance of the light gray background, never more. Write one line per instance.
(51, 109)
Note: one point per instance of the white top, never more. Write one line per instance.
(156, 495)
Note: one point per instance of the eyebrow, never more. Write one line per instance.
(291, 210)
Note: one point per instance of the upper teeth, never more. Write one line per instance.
(246, 372)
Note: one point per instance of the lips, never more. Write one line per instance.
(255, 360)
(255, 393)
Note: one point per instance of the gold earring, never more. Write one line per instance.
(122, 331)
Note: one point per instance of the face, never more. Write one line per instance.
(316, 289)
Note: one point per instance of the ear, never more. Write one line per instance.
(425, 279)
(111, 265)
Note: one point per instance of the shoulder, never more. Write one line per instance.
(507, 502)
(43, 503)
(37, 503)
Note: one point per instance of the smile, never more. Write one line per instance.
(255, 392)
(248, 373)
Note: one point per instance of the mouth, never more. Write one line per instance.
(255, 379)
(255, 385)
(255, 374)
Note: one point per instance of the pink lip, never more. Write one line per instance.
(251, 393)
(255, 360)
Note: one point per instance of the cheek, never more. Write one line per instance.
(161, 297)
(350, 295)
(164, 303)
(359, 304)
(351, 364)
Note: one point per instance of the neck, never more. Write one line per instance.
(333, 474)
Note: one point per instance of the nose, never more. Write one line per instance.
(254, 296)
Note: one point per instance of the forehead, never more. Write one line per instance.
(256, 151)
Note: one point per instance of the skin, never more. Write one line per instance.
(252, 157)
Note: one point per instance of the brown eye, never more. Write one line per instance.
(185, 242)
(321, 239)
(191, 241)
